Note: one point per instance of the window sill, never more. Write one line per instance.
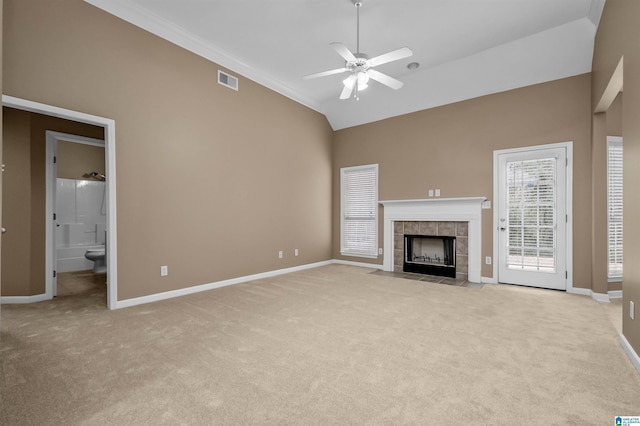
(365, 255)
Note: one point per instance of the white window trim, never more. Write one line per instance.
(611, 141)
(374, 253)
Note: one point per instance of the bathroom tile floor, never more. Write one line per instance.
(81, 283)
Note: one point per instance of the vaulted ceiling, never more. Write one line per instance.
(465, 48)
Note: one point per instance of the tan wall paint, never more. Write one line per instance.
(23, 259)
(618, 36)
(76, 160)
(451, 148)
(604, 124)
(1, 132)
(16, 204)
(210, 181)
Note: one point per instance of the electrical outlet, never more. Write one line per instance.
(431, 193)
(380, 250)
(632, 314)
(487, 260)
(164, 271)
(437, 192)
(280, 254)
(295, 252)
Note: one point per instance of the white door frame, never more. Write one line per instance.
(109, 126)
(52, 137)
(569, 206)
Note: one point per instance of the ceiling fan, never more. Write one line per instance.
(361, 66)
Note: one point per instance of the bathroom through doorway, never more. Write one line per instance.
(76, 209)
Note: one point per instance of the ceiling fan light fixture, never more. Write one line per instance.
(360, 66)
(363, 79)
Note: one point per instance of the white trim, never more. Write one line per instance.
(463, 209)
(633, 356)
(68, 137)
(485, 280)
(568, 206)
(600, 297)
(20, 300)
(359, 264)
(110, 158)
(210, 286)
(143, 18)
(615, 294)
(580, 291)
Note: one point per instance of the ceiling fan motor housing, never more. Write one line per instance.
(360, 64)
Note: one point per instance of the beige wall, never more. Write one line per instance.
(210, 181)
(1, 131)
(76, 160)
(24, 190)
(618, 37)
(451, 148)
(16, 204)
(606, 124)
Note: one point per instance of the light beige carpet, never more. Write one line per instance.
(331, 345)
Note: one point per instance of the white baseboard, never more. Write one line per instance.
(581, 291)
(19, 300)
(360, 264)
(485, 280)
(615, 294)
(210, 286)
(633, 356)
(600, 297)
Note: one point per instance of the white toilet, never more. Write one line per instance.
(99, 259)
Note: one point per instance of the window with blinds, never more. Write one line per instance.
(531, 206)
(614, 207)
(359, 211)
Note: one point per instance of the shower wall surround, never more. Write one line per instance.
(81, 222)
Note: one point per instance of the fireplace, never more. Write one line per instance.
(430, 254)
(459, 217)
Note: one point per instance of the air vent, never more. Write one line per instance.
(227, 80)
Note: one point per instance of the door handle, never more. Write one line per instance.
(503, 229)
(4, 229)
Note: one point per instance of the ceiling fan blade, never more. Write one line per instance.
(325, 73)
(343, 51)
(349, 84)
(385, 79)
(404, 52)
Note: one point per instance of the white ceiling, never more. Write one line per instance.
(466, 48)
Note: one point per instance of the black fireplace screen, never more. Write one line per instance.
(432, 255)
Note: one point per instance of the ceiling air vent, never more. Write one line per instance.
(227, 80)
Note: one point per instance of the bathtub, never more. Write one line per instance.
(71, 258)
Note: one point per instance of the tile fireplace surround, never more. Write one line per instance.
(468, 209)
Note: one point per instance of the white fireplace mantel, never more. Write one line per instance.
(465, 209)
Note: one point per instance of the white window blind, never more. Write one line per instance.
(531, 203)
(614, 206)
(359, 211)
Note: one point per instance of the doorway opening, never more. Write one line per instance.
(76, 211)
(110, 194)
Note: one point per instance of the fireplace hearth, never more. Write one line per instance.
(430, 254)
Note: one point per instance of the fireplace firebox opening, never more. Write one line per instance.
(431, 255)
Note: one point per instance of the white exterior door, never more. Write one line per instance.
(532, 217)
